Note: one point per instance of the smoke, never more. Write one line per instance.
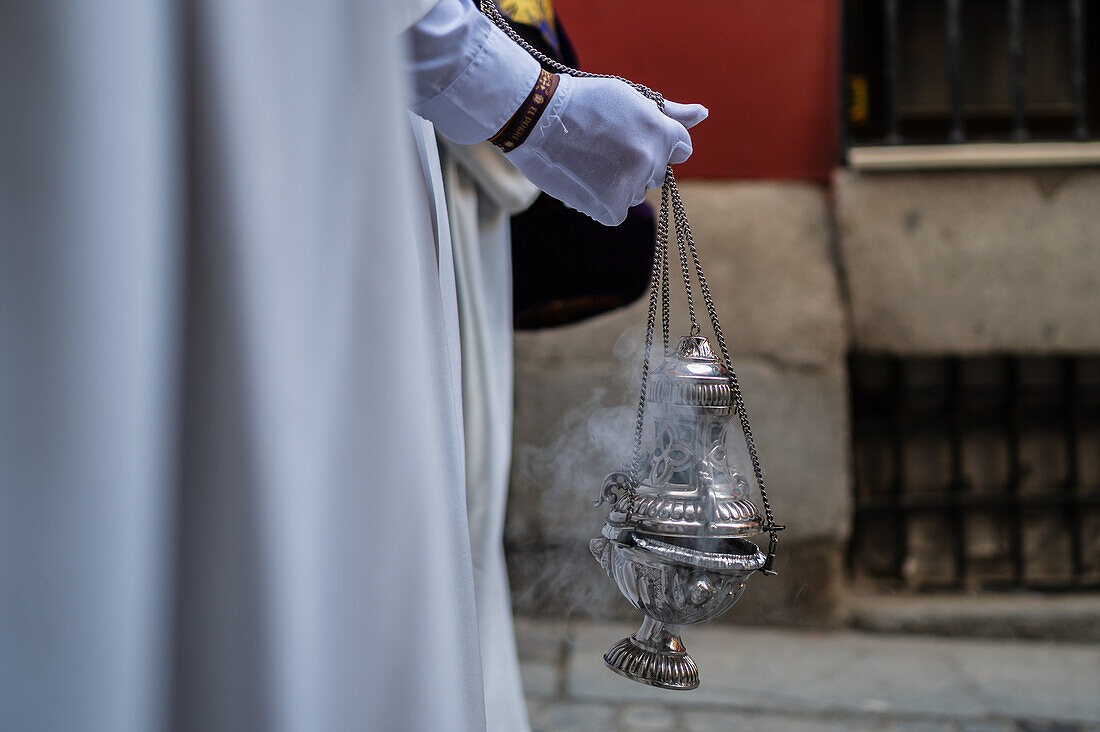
(590, 438)
(555, 479)
(590, 433)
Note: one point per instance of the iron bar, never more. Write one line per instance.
(843, 88)
(956, 486)
(954, 70)
(1070, 431)
(1017, 69)
(924, 424)
(874, 40)
(1012, 438)
(897, 438)
(1077, 68)
(893, 71)
(894, 411)
(1058, 497)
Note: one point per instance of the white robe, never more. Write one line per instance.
(230, 462)
(483, 190)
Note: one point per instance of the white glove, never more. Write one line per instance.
(600, 144)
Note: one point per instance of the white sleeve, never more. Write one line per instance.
(466, 75)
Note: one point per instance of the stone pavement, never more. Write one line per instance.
(803, 681)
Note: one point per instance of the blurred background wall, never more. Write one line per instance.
(896, 203)
(766, 71)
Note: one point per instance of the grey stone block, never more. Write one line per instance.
(572, 717)
(808, 591)
(765, 248)
(647, 719)
(972, 262)
(574, 425)
(793, 672)
(1039, 725)
(541, 640)
(541, 679)
(766, 251)
(1026, 679)
(987, 725)
(602, 340)
(920, 725)
(777, 722)
(843, 680)
(1017, 616)
(800, 421)
(561, 582)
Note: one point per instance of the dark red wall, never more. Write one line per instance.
(766, 69)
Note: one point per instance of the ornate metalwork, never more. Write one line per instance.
(672, 541)
(668, 457)
(671, 586)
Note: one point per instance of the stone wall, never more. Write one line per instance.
(973, 262)
(905, 263)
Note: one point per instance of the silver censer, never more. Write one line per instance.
(675, 536)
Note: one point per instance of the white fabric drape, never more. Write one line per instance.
(483, 190)
(230, 463)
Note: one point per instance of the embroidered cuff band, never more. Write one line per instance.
(516, 130)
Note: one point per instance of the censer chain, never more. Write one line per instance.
(659, 286)
(735, 385)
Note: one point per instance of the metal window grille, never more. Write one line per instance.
(953, 71)
(977, 472)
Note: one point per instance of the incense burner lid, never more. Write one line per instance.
(692, 376)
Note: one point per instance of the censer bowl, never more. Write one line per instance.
(673, 581)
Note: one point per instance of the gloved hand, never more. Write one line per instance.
(600, 144)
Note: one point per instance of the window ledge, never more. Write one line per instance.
(968, 156)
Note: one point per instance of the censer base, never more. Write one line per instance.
(656, 656)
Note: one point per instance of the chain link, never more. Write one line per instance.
(660, 255)
(658, 288)
(489, 8)
(735, 385)
(684, 270)
(662, 243)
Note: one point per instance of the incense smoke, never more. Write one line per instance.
(561, 476)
